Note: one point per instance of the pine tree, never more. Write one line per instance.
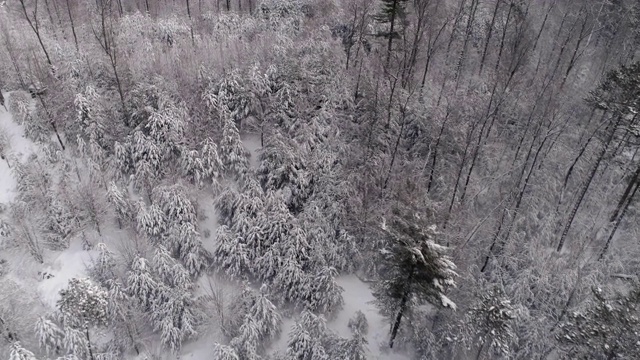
(20, 353)
(266, 316)
(392, 12)
(173, 313)
(49, 335)
(83, 303)
(151, 221)
(203, 166)
(230, 255)
(292, 284)
(417, 270)
(103, 268)
(122, 206)
(232, 153)
(75, 342)
(246, 343)
(306, 338)
(223, 352)
(326, 294)
(359, 323)
(140, 283)
(492, 319)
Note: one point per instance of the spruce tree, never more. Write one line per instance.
(392, 11)
(415, 270)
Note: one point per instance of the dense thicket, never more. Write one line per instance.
(509, 125)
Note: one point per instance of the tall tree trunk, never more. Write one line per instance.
(35, 26)
(403, 307)
(488, 39)
(431, 46)
(587, 184)
(633, 183)
(435, 150)
(394, 9)
(89, 347)
(617, 224)
(73, 27)
(465, 44)
(504, 35)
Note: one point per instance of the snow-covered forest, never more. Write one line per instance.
(319, 179)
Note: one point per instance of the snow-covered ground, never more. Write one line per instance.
(69, 264)
(18, 147)
(358, 296)
(252, 144)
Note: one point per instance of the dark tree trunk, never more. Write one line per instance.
(73, 27)
(488, 39)
(587, 184)
(617, 224)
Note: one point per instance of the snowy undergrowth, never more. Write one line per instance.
(13, 146)
(357, 297)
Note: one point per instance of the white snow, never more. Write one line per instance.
(208, 223)
(252, 144)
(69, 264)
(358, 296)
(19, 146)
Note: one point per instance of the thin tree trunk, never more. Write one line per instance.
(617, 225)
(403, 307)
(504, 35)
(463, 54)
(435, 151)
(73, 27)
(89, 347)
(430, 53)
(391, 30)
(395, 148)
(586, 186)
(633, 183)
(35, 26)
(488, 39)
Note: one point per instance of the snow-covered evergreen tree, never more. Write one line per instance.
(174, 202)
(150, 221)
(49, 335)
(416, 269)
(166, 128)
(325, 296)
(265, 314)
(281, 168)
(82, 303)
(307, 337)
(20, 353)
(359, 323)
(121, 204)
(491, 322)
(224, 352)
(75, 341)
(246, 343)
(103, 268)
(140, 282)
(234, 156)
(203, 165)
(60, 224)
(230, 255)
(291, 284)
(173, 313)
